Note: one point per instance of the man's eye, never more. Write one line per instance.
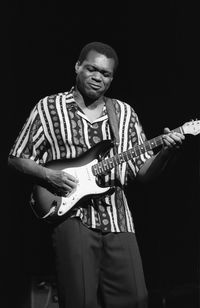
(90, 69)
(106, 75)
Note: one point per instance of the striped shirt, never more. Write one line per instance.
(57, 128)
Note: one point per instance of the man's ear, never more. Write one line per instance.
(77, 67)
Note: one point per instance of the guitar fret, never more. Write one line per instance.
(159, 140)
(142, 148)
(129, 154)
(152, 143)
(105, 165)
(147, 146)
(100, 167)
(137, 151)
(178, 130)
(133, 152)
(110, 162)
(95, 169)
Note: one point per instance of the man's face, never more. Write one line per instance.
(94, 75)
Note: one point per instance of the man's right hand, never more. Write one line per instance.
(62, 182)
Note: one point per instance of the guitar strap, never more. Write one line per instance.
(113, 121)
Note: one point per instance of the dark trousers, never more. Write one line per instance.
(97, 270)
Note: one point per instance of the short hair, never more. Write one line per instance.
(101, 48)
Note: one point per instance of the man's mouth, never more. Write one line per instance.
(94, 86)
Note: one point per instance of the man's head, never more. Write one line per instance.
(95, 68)
(100, 48)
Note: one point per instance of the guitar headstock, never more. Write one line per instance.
(192, 127)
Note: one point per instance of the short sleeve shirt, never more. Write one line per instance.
(58, 129)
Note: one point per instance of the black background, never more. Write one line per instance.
(157, 45)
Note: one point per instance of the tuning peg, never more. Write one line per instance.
(192, 120)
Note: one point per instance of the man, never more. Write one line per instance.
(96, 254)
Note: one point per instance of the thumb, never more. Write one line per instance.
(166, 130)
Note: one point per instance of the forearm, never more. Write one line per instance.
(59, 180)
(154, 166)
(28, 167)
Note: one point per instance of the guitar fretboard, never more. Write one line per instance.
(107, 164)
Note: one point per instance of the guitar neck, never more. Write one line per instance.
(106, 165)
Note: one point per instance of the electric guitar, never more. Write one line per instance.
(86, 168)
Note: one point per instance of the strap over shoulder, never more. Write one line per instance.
(112, 118)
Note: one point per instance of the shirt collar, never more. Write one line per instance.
(71, 103)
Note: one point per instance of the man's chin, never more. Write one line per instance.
(93, 94)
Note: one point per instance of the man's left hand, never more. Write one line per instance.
(172, 139)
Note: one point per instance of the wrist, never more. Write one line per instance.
(46, 174)
(167, 152)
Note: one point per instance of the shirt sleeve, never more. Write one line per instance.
(136, 137)
(31, 142)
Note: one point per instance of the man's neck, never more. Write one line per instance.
(92, 108)
(85, 102)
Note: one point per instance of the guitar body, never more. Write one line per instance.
(49, 206)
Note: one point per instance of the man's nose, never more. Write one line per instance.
(96, 76)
